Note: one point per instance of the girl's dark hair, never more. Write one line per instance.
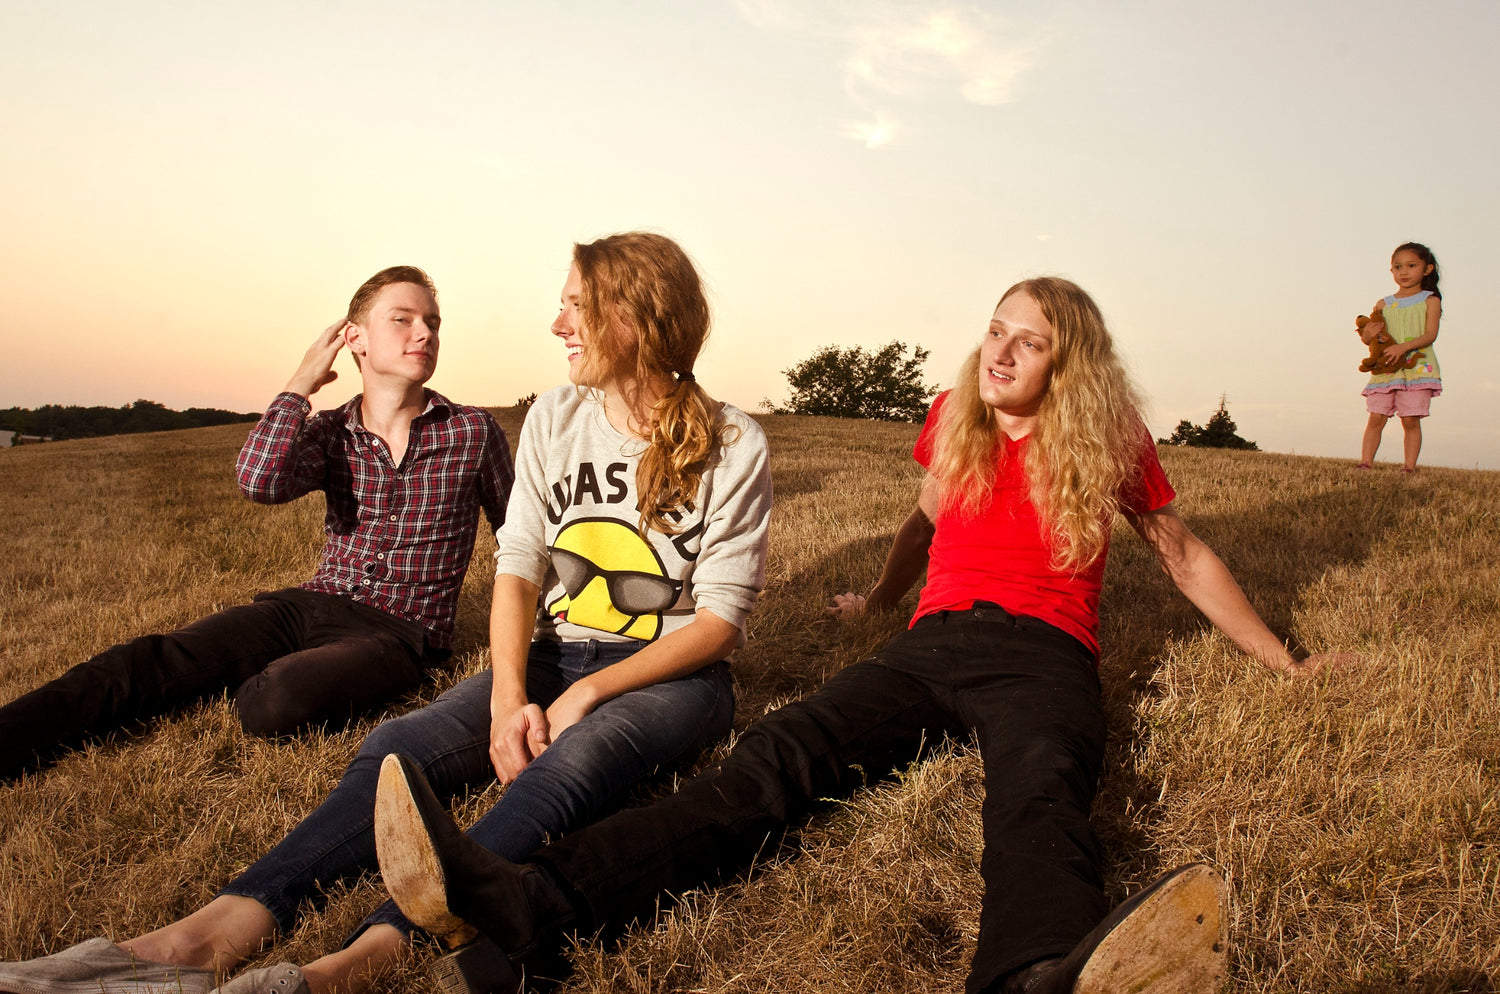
(1430, 281)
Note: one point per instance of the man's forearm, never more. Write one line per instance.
(266, 467)
(904, 564)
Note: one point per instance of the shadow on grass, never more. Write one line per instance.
(1277, 554)
(793, 645)
(805, 480)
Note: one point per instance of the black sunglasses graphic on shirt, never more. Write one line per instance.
(631, 592)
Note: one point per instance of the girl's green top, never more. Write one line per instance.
(1405, 319)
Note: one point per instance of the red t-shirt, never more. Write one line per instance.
(1001, 555)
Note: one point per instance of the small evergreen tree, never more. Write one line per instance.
(1220, 433)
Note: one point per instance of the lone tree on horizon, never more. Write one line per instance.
(883, 385)
(1220, 433)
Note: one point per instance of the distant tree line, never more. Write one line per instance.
(62, 422)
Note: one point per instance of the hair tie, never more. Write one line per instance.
(686, 378)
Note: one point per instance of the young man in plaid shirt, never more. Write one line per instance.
(405, 472)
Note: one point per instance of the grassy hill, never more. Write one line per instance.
(1356, 815)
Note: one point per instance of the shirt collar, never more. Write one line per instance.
(437, 406)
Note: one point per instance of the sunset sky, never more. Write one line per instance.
(192, 191)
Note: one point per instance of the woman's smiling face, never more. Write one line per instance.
(569, 325)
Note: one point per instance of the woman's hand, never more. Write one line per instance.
(527, 732)
(847, 605)
(701, 641)
(518, 728)
(571, 707)
(517, 739)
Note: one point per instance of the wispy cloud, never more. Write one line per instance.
(902, 53)
(873, 133)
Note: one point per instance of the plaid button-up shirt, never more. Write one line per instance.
(399, 538)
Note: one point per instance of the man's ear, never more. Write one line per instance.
(354, 338)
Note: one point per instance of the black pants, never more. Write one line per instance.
(293, 658)
(1029, 692)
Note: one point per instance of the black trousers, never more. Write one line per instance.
(292, 658)
(1029, 692)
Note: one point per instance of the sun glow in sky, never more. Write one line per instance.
(192, 191)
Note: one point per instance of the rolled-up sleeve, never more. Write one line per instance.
(284, 457)
(731, 572)
(521, 542)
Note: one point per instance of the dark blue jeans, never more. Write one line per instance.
(584, 774)
(1029, 692)
(292, 658)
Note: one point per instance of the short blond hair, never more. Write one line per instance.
(364, 297)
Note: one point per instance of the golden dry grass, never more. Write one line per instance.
(1355, 815)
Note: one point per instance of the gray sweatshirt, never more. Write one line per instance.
(570, 528)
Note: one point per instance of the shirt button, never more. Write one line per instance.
(380, 555)
(393, 517)
(365, 582)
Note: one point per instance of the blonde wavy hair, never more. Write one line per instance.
(1087, 440)
(648, 318)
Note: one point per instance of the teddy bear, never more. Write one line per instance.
(1371, 331)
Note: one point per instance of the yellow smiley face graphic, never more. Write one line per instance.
(612, 580)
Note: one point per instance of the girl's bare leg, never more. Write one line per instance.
(1371, 443)
(351, 970)
(230, 929)
(1411, 438)
(218, 936)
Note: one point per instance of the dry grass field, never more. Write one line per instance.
(1355, 815)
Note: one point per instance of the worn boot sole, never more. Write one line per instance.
(478, 968)
(408, 863)
(1174, 941)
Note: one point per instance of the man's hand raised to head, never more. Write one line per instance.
(316, 370)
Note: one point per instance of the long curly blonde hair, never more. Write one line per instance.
(1085, 446)
(648, 317)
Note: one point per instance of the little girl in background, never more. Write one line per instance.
(1411, 317)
